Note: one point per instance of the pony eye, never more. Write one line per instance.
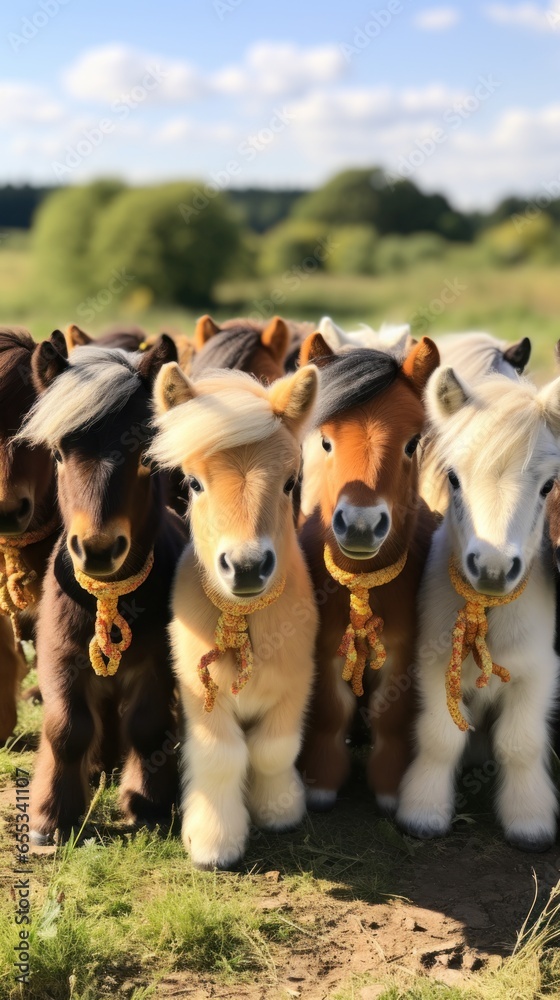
(412, 445)
(195, 485)
(326, 444)
(145, 460)
(57, 456)
(290, 484)
(547, 487)
(453, 479)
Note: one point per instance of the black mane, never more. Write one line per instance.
(230, 348)
(352, 378)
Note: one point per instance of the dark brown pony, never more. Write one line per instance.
(129, 338)
(370, 417)
(28, 505)
(94, 413)
(242, 344)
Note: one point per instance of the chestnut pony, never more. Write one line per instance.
(244, 619)
(119, 541)
(29, 521)
(368, 519)
(241, 344)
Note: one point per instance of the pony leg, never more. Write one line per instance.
(391, 713)
(526, 800)
(215, 819)
(12, 670)
(60, 790)
(324, 762)
(148, 786)
(276, 794)
(426, 797)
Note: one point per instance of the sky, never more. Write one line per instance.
(462, 98)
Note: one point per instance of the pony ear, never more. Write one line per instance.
(446, 393)
(172, 387)
(332, 334)
(276, 337)
(518, 354)
(421, 363)
(163, 351)
(204, 330)
(549, 398)
(313, 348)
(293, 397)
(49, 361)
(75, 337)
(557, 352)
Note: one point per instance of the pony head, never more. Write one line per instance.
(362, 461)
(474, 355)
(257, 348)
(94, 413)
(499, 445)
(394, 340)
(238, 444)
(27, 478)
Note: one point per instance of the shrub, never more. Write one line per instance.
(353, 250)
(292, 243)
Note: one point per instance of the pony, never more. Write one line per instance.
(487, 607)
(241, 344)
(473, 356)
(131, 338)
(365, 543)
(29, 520)
(396, 340)
(104, 667)
(242, 603)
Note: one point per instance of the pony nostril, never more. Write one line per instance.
(120, 546)
(514, 570)
(225, 565)
(471, 564)
(24, 509)
(76, 547)
(382, 526)
(267, 565)
(339, 522)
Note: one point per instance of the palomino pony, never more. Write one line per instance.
(487, 607)
(29, 519)
(244, 618)
(104, 667)
(365, 543)
(241, 344)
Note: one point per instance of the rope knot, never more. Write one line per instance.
(361, 641)
(16, 579)
(232, 632)
(107, 616)
(469, 636)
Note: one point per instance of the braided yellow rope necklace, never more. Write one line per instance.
(469, 636)
(232, 632)
(107, 615)
(15, 580)
(361, 639)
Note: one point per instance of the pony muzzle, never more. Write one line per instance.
(361, 531)
(247, 573)
(491, 571)
(99, 554)
(15, 515)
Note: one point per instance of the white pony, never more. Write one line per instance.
(395, 340)
(499, 443)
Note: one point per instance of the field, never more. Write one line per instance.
(345, 907)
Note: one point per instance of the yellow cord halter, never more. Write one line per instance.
(107, 615)
(361, 639)
(469, 636)
(232, 632)
(16, 579)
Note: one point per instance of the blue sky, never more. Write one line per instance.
(461, 97)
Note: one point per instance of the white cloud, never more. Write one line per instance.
(526, 15)
(24, 103)
(111, 72)
(437, 18)
(275, 70)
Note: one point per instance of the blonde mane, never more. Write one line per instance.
(230, 409)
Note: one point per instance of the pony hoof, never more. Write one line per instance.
(38, 839)
(320, 799)
(424, 829)
(387, 804)
(531, 844)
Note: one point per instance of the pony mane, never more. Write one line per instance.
(233, 347)
(351, 379)
(230, 409)
(474, 355)
(503, 417)
(16, 348)
(98, 382)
